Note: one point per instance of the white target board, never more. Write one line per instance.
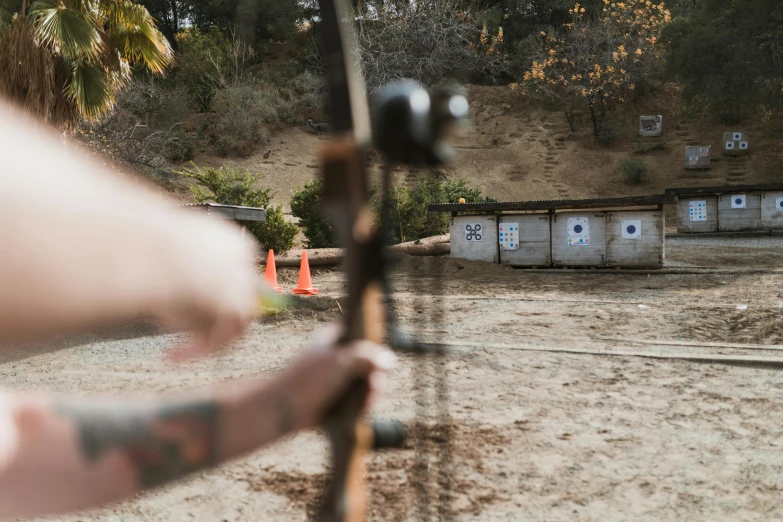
(737, 136)
(508, 236)
(744, 145)
(729, 145)
(632, 229)
(578, 231)
(693, 160)
(698, 210)
(473, 232)
(778, 204)
(739, 201)
(704, 151)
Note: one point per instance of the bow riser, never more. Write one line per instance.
(346, 201)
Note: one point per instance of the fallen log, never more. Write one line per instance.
(430, 246)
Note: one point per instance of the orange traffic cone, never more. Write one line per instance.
(305, 285)
(270, 274)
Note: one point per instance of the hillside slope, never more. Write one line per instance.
(519, 151)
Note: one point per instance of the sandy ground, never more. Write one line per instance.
(568, 398)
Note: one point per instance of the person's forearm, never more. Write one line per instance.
(63, 217)
(80, 245)
(77, 453)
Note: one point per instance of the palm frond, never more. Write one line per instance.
(89, 89)
(68, 31)
(134, 33)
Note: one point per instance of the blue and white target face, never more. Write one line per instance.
(737, 136)
(473, 232)
(578, 231)
(739, 201)
(729, 145)
(744, 145)
(779, 204)
(632, 229)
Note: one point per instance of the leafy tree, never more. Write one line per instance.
(257, 21)
(599, 62)
(228, 186)
(66, 59)
(728, 55)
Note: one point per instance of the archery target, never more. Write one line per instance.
(473, 232)
(632, 229)
(737, 136)
(698, 210)
(729, 145)
(743, 145)
(779, 204)
(508, 236)
(578, 231)
(739, 201)
(704, 151)
(694, 160)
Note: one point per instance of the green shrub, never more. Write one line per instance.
(607, 133)
(241, 112)
(305, 204)
(203, 63)
(408, 218)
(635, 170)
(229, 186)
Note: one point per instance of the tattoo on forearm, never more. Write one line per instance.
(162, 443)
(285, 415)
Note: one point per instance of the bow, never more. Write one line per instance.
(408, 126)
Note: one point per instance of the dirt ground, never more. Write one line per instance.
(571, 395)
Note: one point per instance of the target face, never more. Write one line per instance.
(704, 151)
(737, 136)
(729, 145)
(739, 201)
(578, 231)
(779, 204)
(694, 160)
(698, 210)
(473, 232)
(743, 145)
(632, 229)
(508, 236)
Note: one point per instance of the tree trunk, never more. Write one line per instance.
(431, 246)
(595, 119)
(570, 118)
(174, 16)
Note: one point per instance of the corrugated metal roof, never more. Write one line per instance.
(556, 204)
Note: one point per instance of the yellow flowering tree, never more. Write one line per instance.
(599, 62)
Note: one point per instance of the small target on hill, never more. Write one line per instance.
(729, 145)
(632, 229)
(473, 232)
(743, 145)
(737, 136)
(694, 160)
(739, 201)
(779, 204)
(704, 151)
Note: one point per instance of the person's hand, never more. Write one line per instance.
(315, 381)
(215, 290)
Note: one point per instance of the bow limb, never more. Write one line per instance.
(347, 203)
